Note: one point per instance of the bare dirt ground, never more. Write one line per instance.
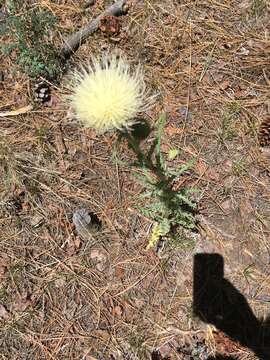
(65, 295)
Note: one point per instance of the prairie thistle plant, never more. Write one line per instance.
(108, 95)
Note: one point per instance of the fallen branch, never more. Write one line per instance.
(74, 41)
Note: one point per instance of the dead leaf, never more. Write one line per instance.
(224, 344)
(244, 4)
(185, 112)
(200, 167)
(73, 246)
(89, 357)
(165, 351)
(224, 84)
(172, 130)
(99, 258)
(4, 260)
(100, 334)
(117, 311)
(77, 242)
(60, 142)
(71, 249)
(60, 282)
(165, 148)
(212, 174)
(4, 263)
(128, 310)
(4, 314)
(226, 205)
(139, 303)
(119, 272)
(22, 303)
(245, 208)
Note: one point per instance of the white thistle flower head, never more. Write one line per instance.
(108, 95)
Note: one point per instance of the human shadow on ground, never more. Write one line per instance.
(216, 301)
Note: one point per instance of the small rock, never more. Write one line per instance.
(100, 259)
(85, 222)
(81, 219)
(60, 282)
(229, 181)
(263, 298)
(4, 314)
(227, 205)
(185, 113)
(243, 51)
(36, 221)
(22, 303)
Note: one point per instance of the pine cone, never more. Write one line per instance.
(264, 133)
(264, 160)
(42, 92)
(109, 25)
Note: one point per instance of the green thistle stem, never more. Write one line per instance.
(143, 160)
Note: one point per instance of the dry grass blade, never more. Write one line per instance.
(23, 110)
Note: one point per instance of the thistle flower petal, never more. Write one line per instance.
(108, 95)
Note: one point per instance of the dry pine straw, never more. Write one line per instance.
(63, 296)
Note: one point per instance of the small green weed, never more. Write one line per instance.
(226, 190)
(30, 29)
(136, 343)
(180, 239)
(258, 8)
(3, 294)
(229, 118)
(42, 134)
(249, 272)
(239, 167)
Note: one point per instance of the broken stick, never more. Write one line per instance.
(74, 41)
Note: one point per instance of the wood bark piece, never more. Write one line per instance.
(74, 41)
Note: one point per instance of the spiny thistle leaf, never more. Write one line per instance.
(185, 200)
